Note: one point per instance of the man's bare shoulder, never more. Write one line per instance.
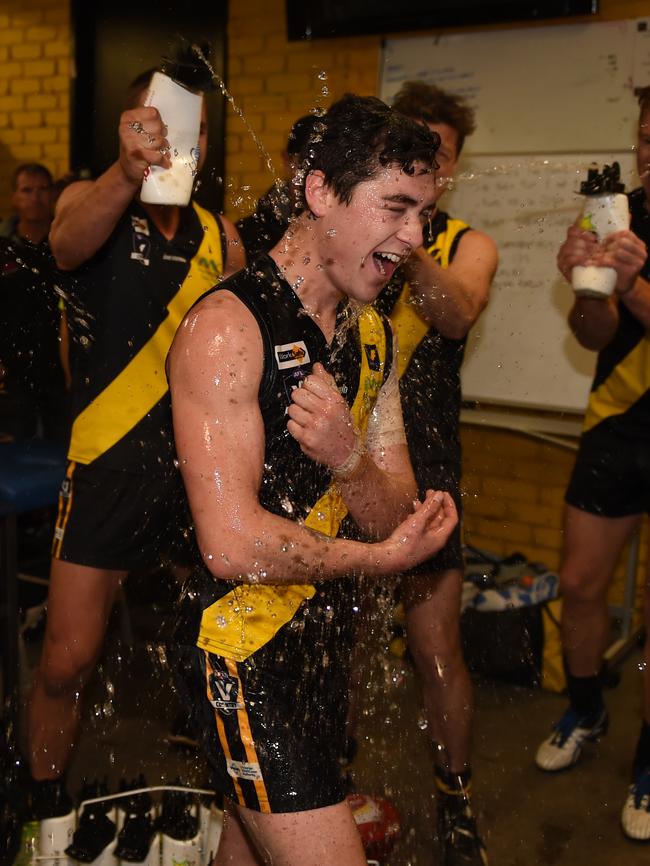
(218, 330)
(476, 241)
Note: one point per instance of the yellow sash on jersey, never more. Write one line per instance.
(142, 383)
(627, 383)
(410, 328)
(247, 617)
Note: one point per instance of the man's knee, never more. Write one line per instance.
(579, 585)
(436, 648)
(65, 666)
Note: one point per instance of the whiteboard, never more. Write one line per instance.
(548, 101)
(535, 90)
(521, 351)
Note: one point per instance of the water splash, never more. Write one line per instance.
(218, 80)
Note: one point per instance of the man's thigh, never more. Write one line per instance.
(432, 603)
(319, 837)
(78, 607)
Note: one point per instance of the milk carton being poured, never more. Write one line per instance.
(177, 92)
(605, 211)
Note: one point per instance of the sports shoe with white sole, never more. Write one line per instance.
(564, 747)
(635, 816)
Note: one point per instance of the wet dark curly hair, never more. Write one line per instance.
(358, 136)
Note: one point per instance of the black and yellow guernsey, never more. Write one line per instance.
(620, 393)
(132, 296)
(428, 363)
(238, 619)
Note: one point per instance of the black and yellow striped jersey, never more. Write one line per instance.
(130, 297)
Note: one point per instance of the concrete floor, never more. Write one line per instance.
(527, 817)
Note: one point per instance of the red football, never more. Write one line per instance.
(378, 823)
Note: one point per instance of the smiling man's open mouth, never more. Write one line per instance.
(387, 263)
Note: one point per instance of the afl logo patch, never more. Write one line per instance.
(291, 355)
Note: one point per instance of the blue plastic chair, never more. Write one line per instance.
(31, 472)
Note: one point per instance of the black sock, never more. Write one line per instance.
(49, 798)
(453, 784)
(585, 696)
(642, 754)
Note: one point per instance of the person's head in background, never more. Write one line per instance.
(32, 199)
(299, 135)
(643, 140)
(136, 93)
(444, 113)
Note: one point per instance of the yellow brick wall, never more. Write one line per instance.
(35, 67)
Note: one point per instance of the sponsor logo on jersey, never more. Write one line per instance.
(244, 770)
(292, 380)
(292, 355)
(140, 225)
(209, 267)
(141, 240)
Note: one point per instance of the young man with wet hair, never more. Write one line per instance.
(291, 445)
(609, 490)
(435, 299)
(137, 269)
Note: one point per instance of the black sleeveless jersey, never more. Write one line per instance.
(126, 303)
(237, 619)
(620, 393)
(293, 342)
(429, 364)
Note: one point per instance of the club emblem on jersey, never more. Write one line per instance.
(374, 361)
(224, 691)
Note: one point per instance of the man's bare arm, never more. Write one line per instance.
(451, 299)
(88, 211)
(215, 371)
(637, 300)
(627, 254)
(594, 320)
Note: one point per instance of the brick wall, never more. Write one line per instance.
(35, 67)
(274, 82)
